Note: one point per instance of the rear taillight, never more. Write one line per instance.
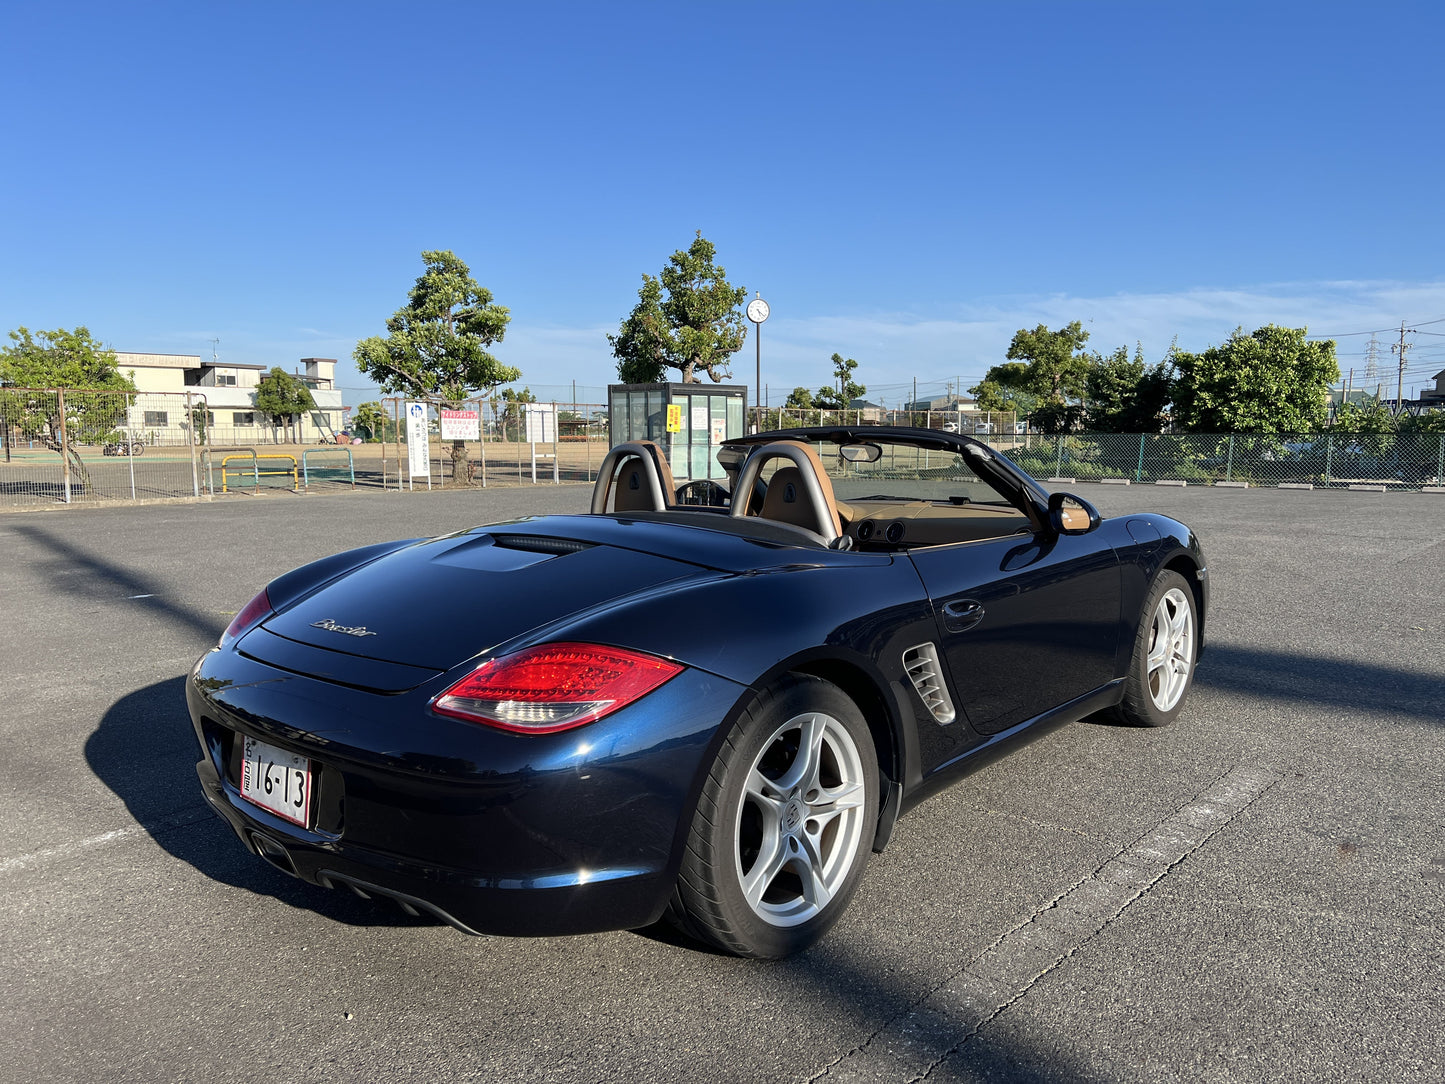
(554, 687)
(251, 615)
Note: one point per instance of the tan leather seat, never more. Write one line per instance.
(787, 499)
(631, 489)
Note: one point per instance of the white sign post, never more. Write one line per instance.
(542, 429)
(418, 444)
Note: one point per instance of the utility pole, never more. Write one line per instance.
(1400, 379)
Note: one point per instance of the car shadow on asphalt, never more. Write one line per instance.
(1318, 680)
(1321, 681)
(145, 751)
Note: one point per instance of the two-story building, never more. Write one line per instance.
(229, 390)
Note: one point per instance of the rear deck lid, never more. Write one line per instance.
(438, 603)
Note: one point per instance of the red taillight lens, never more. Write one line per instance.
(251, 615)
(554, 687)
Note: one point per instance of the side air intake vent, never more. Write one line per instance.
(539, 544)
(921, 662)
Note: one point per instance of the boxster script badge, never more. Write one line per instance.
(350, 630)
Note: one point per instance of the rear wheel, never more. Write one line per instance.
(784, 825)
(1165, 647)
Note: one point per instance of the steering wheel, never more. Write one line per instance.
(703, 492)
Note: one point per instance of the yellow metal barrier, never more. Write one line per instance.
(255, 470)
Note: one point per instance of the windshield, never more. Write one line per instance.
(902, 472)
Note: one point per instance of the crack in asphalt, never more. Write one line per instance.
(915, 1042)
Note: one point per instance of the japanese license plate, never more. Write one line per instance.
(275, 780)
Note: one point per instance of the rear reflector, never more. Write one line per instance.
(554, 687)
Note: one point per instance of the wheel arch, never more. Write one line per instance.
(1186, 566)
(884, 725)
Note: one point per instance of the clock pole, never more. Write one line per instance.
(758, 385)
(757, 313)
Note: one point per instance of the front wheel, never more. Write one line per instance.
(784, 825)
(1165, 648)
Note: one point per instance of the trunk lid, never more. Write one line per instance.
(441, 602)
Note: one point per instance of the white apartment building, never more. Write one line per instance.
(229, 390)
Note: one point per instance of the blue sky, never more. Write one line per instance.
(905, 183)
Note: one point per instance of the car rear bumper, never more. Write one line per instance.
(580, 902)
(495, 833)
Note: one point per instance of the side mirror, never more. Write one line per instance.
(1071, 515)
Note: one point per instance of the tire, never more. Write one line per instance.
(784, 825)
(1166, 646)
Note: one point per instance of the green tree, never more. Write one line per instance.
(1051, 367)
(371, 418)
(281, 397)
(1124, 395)
(1001, 390)
(1431, 421)
(70, 360)
(1370, 417)
(509, 408)
(844, 390)
(436, 345)
(800, 399)
(200, 422)
(1272, 380)
(688, 318)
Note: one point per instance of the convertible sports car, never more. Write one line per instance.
(707, 703)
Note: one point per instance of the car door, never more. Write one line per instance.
(1026, 623)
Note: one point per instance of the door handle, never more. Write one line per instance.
(962, 615)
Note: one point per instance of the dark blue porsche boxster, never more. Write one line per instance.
(705, 702)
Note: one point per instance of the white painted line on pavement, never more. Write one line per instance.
(67, 850)
(922, 1037)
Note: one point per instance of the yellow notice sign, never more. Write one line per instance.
(674, 417)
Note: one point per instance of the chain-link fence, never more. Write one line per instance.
(72, 446)
(568, 448)
(1397, 460)
(64, 445)
(979, 423)
(67, 446)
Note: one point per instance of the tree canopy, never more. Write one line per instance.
(687, 318)
(1124, 395)
(371, 418)
(60, 359)
(799, 399)
(1000, 390)
(436, 344)
(1272, 380)
(282, 396)
(70, 360)
(844, 389)
(1050, 367)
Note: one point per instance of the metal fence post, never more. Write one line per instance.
(191, 441)
(64, 441)
(1329, 456)
(1440, 461)
(1059, 464)
(1229, 465)
(1139, 470)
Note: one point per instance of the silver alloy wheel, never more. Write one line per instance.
(1171, 649)
(799, 822)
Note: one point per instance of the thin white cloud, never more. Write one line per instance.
(955, 346)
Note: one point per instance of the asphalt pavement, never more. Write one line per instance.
(1256, 893)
